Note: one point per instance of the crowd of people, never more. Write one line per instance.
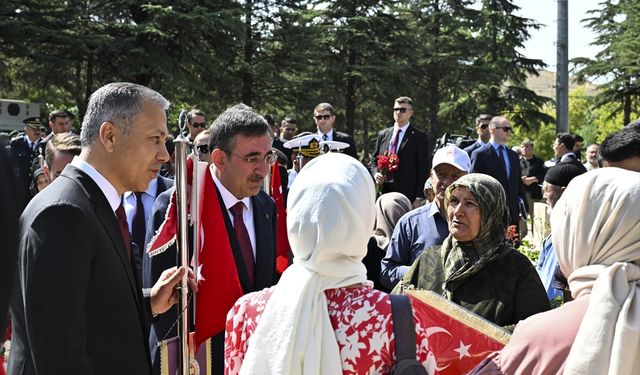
(87, 297)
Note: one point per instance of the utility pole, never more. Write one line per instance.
(562, 68)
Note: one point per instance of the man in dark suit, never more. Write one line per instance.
(23, 151)
(482, 129)
(324, 117)
(410, 144)
(240, 145)
(501, 163)
(137, 206)
(563, 150)
(79, 307)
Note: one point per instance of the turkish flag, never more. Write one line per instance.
(282, 245)
(218, 281)
(458, 338)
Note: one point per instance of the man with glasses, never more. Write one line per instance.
(410, 144)
(324, 117)
(196, 123)
(501, 163)
(241, 154)
(482, 129)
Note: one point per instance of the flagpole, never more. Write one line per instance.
(182, 143)
(266, 183)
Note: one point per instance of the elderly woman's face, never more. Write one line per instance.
(463, 214)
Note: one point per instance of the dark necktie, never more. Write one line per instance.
(243, 239)
(393, 146)
(324, 137)
(138, 227)
(502, 161)
(124, 229)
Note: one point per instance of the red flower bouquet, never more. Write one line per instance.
(387, 164)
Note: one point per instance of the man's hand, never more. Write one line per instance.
(379, 178)
(164, 293)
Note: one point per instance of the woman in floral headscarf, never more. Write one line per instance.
(476, 266)
(596, 237)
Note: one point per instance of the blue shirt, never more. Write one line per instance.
(415, 231)
(547, 263)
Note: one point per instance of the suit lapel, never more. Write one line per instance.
(386, 140)
(110, 223)
(263, 223)
(408, 133)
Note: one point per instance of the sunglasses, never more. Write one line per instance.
(322, 117)
(484, 126)
(199, 125)
(505, 128)
(203, 149)
(400, 109)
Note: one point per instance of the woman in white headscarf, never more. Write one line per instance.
(596, 234)
(322, 317)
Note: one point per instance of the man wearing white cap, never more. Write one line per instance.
(425, 226)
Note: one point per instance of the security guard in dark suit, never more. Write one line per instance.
(23, 151)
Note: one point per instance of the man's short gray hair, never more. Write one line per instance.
(119, 103)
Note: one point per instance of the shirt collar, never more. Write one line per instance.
(152, 189)
(403, 128)
(105, 186)
(227, 197)
(329, 134)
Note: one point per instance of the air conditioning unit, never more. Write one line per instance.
(13, 112)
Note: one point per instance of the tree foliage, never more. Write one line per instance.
(617, 24)
(454, 58)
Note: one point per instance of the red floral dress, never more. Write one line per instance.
(361, 319)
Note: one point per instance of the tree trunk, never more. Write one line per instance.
(350, 95)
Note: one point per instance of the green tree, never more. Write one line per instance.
(617, 24)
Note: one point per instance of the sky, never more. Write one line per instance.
(541, 45)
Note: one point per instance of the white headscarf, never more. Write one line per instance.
(329, 220)
(596, 235)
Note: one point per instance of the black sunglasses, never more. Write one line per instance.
(400, 109)
(322, 117)
(484, 126)
(199, 125)
(203, 149)
(505, 128)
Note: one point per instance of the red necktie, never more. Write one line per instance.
(124, 229)
(243, 239)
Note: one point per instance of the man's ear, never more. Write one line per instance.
(46, 171)
(219, 158)
(107, 135)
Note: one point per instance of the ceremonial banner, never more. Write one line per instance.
(200, 363)
(458, 338)
(282, 246)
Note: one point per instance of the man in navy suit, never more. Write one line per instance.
(325, 117)
(482, 129)
(240, 146)
(79, 307)
(501, 163)
(411, 146)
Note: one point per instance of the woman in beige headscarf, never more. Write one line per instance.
(389, 209)
(596, 235)
(322, 317)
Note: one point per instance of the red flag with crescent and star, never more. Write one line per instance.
(458, 338)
